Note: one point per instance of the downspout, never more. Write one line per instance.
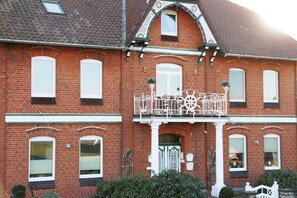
(121, 85)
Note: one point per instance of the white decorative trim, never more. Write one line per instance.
(238, 127)
(56, 118)
(190, 120)
(91, 127)
(263, 119)
(272, 127)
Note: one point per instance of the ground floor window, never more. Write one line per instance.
(91, 153)
(42, 159)
(237, 152)
(271, 152)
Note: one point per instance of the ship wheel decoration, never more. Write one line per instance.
(190, 101)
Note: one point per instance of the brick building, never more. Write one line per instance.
(76, 107)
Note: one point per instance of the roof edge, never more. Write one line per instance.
(258, 57)
(61, 44)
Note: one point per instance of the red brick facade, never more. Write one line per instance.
(122, 79)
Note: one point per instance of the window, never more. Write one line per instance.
(237, 153)
(270, 86)
(91, 153)
(43, 82)
(271, 152)
(169, 23)
(42, 159)
(52, 6)
(91, 79)
(237, 85)
(169, 79)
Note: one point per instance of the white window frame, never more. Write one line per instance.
(39, 139)
(45, 5)
(239, 136)
(243, 86)
(168, 74)
(33, 65)
(276, 86)
(92, 137)
(99, 63)
(171, 12)
(278, 152)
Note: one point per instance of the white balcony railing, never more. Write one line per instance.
(191, 103)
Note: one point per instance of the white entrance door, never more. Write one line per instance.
(169, 79)
(169, 157)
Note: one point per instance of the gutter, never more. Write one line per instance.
(259, 57)
(61, 44)
(158, 50)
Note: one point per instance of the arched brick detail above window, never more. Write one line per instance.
(42, 131)
(43, 51)
(92, 130)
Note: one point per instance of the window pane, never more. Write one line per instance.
(43, 78)
(169, 24)
(53, 7)
(41, 159)
(237, 83)
(236, 152)
(90, 157)
(91, 80)
(270, 86)
(271, 151)
(161, 84)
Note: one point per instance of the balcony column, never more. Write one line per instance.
(155, 147)
(215, 191)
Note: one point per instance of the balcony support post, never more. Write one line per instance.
(219, 160)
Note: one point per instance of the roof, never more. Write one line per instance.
(112, 24)
(87, 22)
(240, 32)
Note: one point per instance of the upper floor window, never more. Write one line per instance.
(237, 152)
(90, 79)
(270, 86)
(271, 152)
(91, 154)
(42, 159)
(237, 85)
(43, 81)
(169, 23)
(52, 6)
(169, 79)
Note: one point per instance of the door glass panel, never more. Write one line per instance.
(175, 85)
(161, 84)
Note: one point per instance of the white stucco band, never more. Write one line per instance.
(61, 118)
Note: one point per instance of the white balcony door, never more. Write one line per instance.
(169, 79)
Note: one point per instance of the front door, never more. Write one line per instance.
(169, 152)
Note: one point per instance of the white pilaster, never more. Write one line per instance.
(155, 147)
(215, 191)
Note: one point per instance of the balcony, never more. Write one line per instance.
(190, 103)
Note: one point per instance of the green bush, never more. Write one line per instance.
(124, 187)
(285, 179)
(226, 192)
(175, 184)
(164, 185)
(50, 194)
(18, 191)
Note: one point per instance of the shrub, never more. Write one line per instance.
(175, 184)
(18, 191)
(124, 187)
(226, 192)
(164, 185)
(50, 194)
(285, 179)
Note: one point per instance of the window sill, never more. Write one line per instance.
(43, 100)
(169, 38)
(90, 181)
(271, 105)
(238, 174)
(237, 104)
(42, 184)
(91, 101)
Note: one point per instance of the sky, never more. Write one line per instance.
(279, 14)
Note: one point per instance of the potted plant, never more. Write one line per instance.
(151, 82)
(226, 85)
